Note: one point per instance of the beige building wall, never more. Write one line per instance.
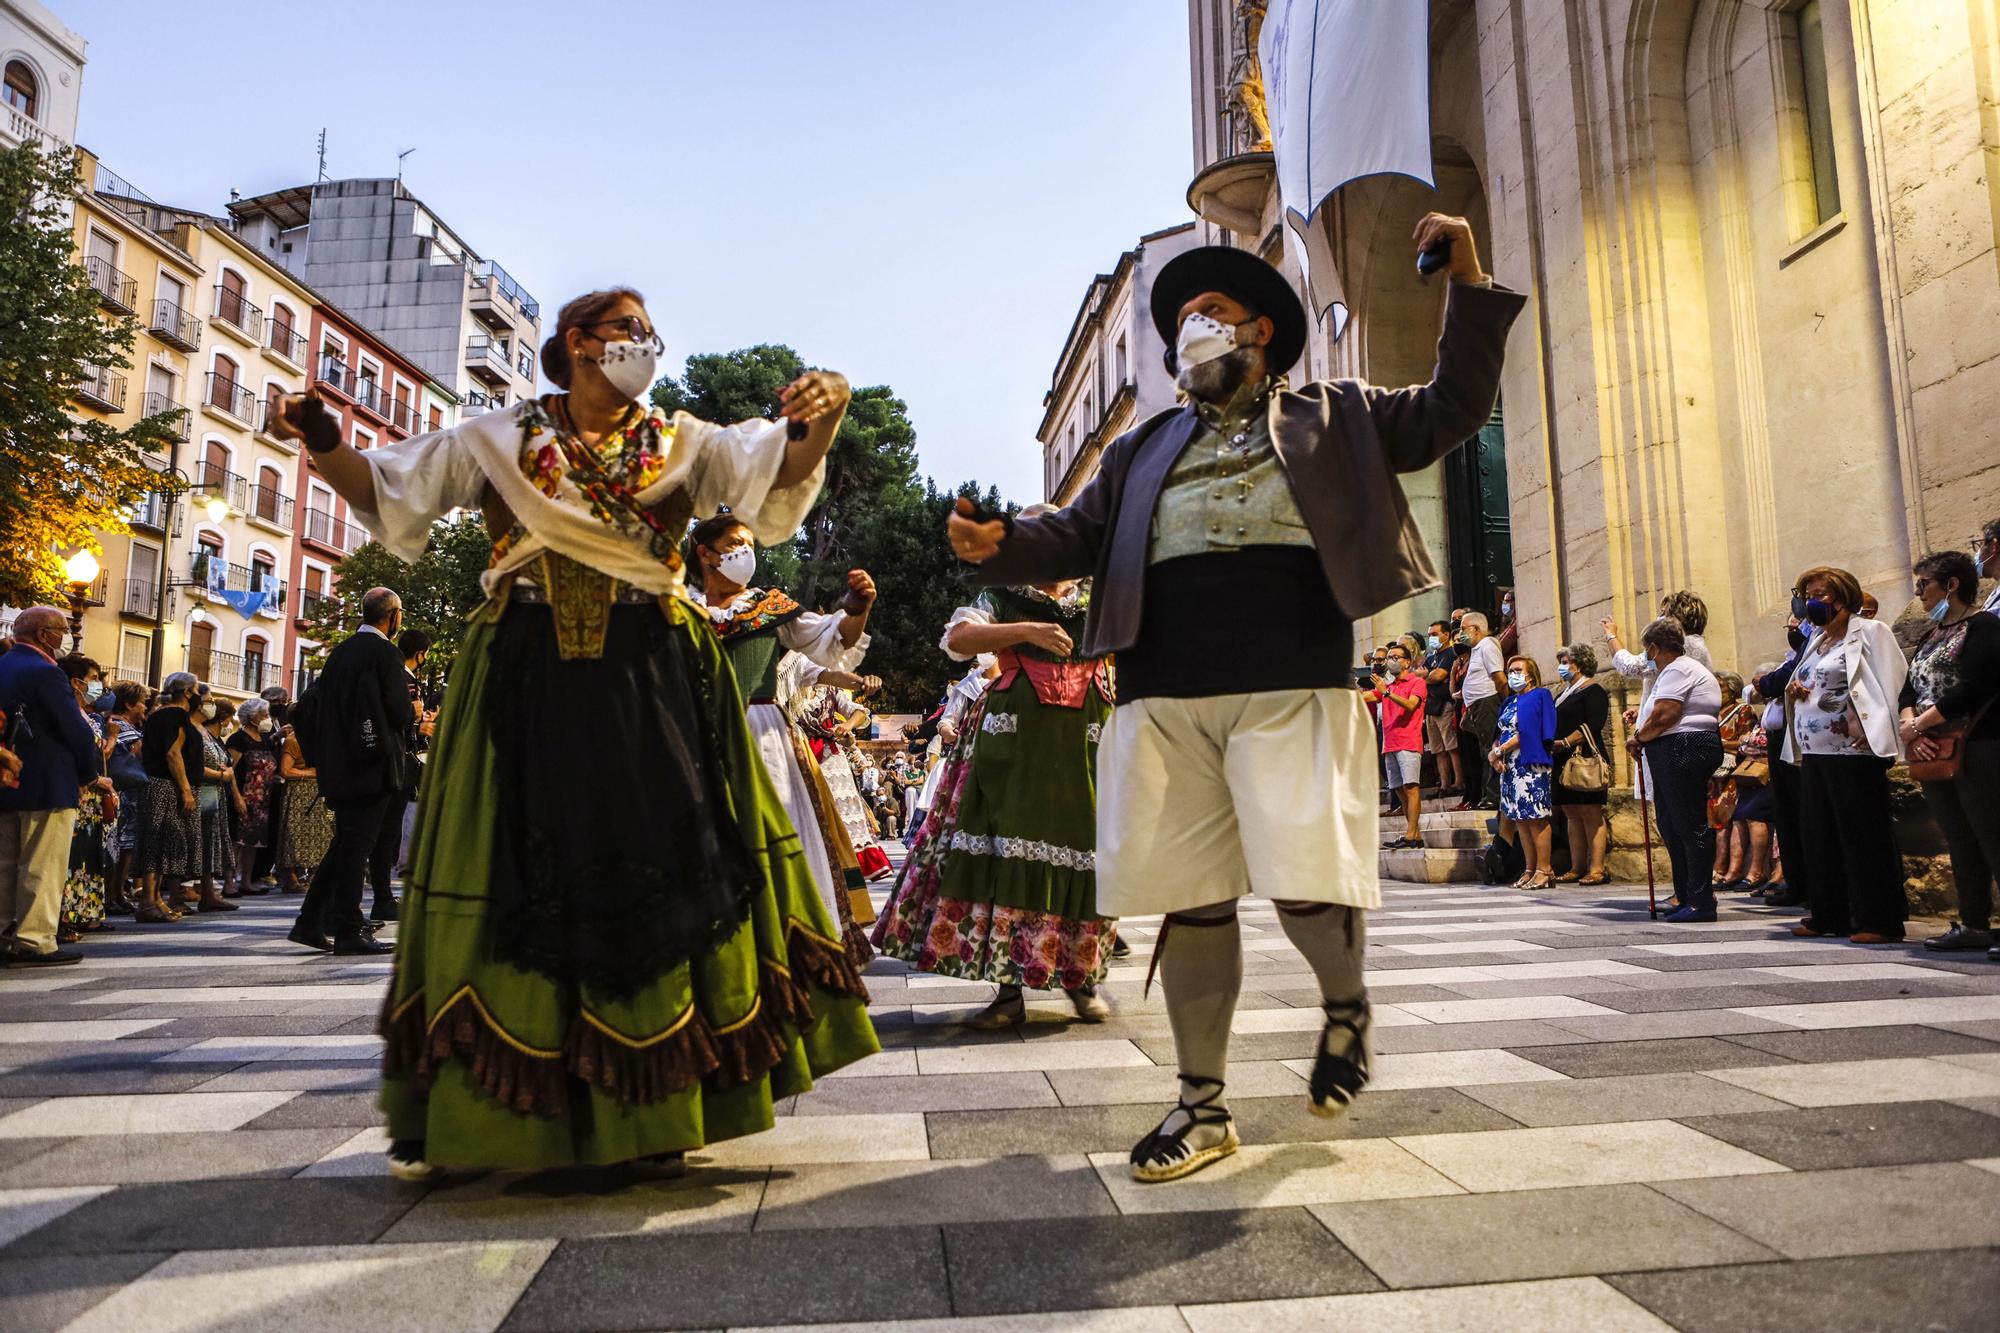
(1110, 376)
(1714, 386)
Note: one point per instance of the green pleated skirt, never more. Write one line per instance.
(495, 1066)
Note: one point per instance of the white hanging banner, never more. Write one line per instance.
(1347, 87)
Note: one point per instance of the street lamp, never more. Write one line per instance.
(81, 569)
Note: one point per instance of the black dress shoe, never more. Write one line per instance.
(312, 939)
(362, 944)
(386, 909)
(24, 957)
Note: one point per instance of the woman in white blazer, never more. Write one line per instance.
(1841, 729)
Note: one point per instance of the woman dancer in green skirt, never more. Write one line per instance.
(1002, 883)
(610, 950)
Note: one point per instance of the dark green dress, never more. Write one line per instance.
(1002, 884)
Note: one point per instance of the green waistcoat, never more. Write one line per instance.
(1228, 490)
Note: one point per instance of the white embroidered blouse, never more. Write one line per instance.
(420, 480)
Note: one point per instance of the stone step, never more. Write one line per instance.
(1430, 865)
(1393, 825)
(1440, 837)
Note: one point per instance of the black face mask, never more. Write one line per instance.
(1796, 637)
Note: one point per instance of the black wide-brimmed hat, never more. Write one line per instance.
(1238, 274)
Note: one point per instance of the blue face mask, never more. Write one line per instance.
(1517, 680)
(1941, 610)
(1433, 642)
(1562, 671)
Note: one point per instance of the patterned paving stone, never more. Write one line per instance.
(1666, 1055)
(343, 1289)
(1619, 1097)
(224, 1215)
(1167, 1259)
(47, 1291)
(1595, 1154)
(1946, 1291)
(123, 1159)
(641, 1282)
(1581, 1303)
(1475, 1238)
(1882, 1134)
(1865, 1210)
(572, 1204)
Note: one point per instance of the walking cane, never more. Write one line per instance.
(1646, 823)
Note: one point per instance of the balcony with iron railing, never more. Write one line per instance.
(232, 488)
(286, 343)
(161, 404)
(401, 415)
(102, 389)
(227, 398)
(236, 315)
(336, 374)
(312, 605)
(525, 364)
(475, 403)
(367, 395)
(266, 417)
(209, 576)
(116, 289)
(495, 294)
(233, 672)
(489, 361)
(175, 327)
(141, 598)
(152, 513)
(271, 507)
(324, 530)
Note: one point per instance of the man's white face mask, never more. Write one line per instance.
(1202, 340)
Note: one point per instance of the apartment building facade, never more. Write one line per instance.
(381, 396)
(1110, 375)
(41, 76)
(373, 249)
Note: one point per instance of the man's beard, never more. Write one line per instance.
(1217, 381)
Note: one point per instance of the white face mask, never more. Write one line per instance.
(738, 565)
(630, 366)
(1202, 340)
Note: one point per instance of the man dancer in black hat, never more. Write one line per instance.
(1234, 541)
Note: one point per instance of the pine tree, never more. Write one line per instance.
(63, 478)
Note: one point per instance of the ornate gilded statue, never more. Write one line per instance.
(1246, 77)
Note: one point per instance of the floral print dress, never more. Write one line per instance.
(83, 891)
(1524, 788)
(1001, 883)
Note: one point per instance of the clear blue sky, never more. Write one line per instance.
(913, 193)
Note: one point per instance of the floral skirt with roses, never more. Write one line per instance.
(1001, 885)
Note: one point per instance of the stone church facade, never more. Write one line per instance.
(1760, 241)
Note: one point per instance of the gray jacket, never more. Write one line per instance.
(1341, 442)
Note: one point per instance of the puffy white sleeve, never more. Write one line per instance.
(965, 615)
(1697, 648)
(736, 466)
(818, 637)
(417, 482)
(1628, 663)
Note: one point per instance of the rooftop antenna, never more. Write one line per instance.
(322, 156)
(399, 163)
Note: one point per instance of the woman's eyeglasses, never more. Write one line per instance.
(633, 328)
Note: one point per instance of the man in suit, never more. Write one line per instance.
(59, 757)
(356, 735)
(1234, 541)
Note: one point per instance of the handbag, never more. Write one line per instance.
(1948, 765)
(127, 770)
(1586, 769)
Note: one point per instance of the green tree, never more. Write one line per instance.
(874, 512)
(63, 479)
(439, 590)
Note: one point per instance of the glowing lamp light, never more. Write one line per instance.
(82, 569)
(197, 616)
(218, 509)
